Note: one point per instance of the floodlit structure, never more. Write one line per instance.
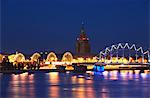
(18, 57)
(51, 57)
(35, 57)
(82, 43)
(123, 53)
(67, 57)
(1, 57)
(115, 54)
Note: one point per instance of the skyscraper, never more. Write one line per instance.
(82, 43)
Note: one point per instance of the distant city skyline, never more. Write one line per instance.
(45, 25)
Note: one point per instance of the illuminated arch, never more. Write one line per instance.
(108, 51)
(19, 57)
(35, 57)
(67, 57)
(1, 57)
(51, 57)
(11, 58)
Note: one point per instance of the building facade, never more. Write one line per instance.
(82, 42)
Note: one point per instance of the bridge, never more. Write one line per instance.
(114, 55)
(120, 56)
(124, 54)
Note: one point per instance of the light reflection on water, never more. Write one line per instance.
(68, 85)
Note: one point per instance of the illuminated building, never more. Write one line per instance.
(82, 44)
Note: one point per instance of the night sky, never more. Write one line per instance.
(53, 25)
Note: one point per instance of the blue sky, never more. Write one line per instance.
(54, 25)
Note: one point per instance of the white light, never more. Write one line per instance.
(58, 63)
(47, 62)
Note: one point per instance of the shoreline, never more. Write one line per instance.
(57, 70)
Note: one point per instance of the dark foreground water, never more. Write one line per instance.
(56, 85)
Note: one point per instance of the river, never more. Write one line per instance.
(68, 85)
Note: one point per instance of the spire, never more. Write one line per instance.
(82, 28)
(82, 35)
(82, 25)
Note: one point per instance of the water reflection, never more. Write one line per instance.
(54, 85)
(67, 85)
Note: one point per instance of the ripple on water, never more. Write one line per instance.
(107, 85)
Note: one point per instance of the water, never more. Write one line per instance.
(67, 85)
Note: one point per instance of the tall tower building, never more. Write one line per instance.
(82, 43)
